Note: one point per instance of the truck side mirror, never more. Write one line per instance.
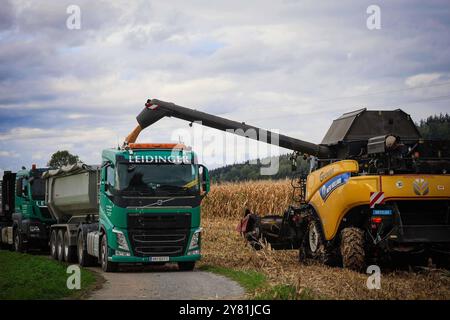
(204, 179)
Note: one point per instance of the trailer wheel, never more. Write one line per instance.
(19, 246)
(186, 266)
(60, 246)
(53, 250)
(352, 249)
(69, 251)
(84, 259)
(107, 266)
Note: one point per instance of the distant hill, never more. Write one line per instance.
(434, 127)
(246, 171)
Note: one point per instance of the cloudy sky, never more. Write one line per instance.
(287, 65)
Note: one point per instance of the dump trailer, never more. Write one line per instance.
(375, 188)
(141, 205)
(24, 217)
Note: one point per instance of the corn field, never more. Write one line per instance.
(223, 246)
(229, 200)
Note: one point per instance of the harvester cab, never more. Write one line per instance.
(375, 188)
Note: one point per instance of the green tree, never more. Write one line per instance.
(435, 127)
(62, 158)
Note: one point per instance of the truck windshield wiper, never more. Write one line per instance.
(169, 187)
(139, 192)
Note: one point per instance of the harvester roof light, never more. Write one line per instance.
(157, 146)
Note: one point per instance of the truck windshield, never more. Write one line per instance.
(37, 189)
(158, 179)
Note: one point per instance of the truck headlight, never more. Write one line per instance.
(34, 229)
(195, 240)
(121, 240)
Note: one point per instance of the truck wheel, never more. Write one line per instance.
(352, 249)
(84, 259)
(53, 250)
(186, 266)
(60, 246)
(313, 246)
(19, 246)
(107, 266)
(69, 251)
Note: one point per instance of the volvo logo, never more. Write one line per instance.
(420, 187)
(159, 202)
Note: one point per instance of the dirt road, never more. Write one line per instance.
(153, 283)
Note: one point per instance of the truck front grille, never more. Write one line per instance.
(159, 243)
(152, 221)
(159, 234)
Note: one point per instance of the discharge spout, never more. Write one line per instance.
(155, 110)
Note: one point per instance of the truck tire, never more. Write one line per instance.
(69, 251)
(60, 246)
(19, 246)
(53, 245)
(313, 245)
(352, 249)
(107, 266)
(84, 259)
(186, 266)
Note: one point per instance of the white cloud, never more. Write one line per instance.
(422, 79)
(9, 154)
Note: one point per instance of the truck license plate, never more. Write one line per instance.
(159, 259)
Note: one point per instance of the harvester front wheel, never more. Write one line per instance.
(352, 249)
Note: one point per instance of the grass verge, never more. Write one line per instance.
(257, 286)
(25, 276)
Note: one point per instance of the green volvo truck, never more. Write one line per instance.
(24, 216)
(141, 205)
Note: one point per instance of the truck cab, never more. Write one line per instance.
(150, 196)
(28, 223)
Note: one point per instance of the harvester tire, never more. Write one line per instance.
(313, 246)
(53, 249)
(352, 249)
